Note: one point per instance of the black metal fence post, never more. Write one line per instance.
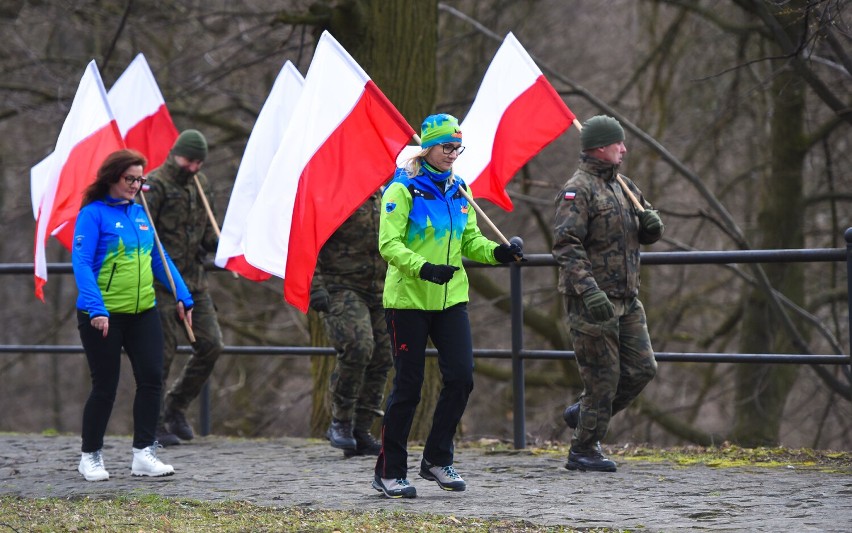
(518, 393)
(848, 236)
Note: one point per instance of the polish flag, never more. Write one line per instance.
(264, 140)
(340, 147)
(141, 113)
(88, 135)
(515, 114)
(143, 120)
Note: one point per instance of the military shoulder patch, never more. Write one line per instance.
(569, 195)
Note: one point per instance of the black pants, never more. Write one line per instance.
(409, 330)
(142, 338)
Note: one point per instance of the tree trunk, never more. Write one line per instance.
(761, 390)
(397, 49)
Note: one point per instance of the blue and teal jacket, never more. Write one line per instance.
(115, 262)
(421, 222)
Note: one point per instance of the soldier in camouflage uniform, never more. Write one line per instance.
(178, 213)
(597, 233)
(347, 290)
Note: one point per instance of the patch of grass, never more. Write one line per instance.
(149, 512)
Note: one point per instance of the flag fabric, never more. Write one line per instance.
(339, 148)
(264, 140)
(515, 114)
(142, 117)
(88, 135)
(141, 114)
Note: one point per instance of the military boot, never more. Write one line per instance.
(592, 460)
(571, 415)
(165, 437)
(177, 424)
(365, 444)
(339, 434)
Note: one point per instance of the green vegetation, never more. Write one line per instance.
(145, 512)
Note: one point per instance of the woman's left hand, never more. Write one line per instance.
(184, 315)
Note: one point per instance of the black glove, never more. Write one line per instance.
(440, 274)
(319, 300)
(508, 253)
(598, 305)
(651, 222)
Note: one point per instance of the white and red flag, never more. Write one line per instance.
(88, 135)
(515, 114)
(140, 111)
(340, 147)
(265, 138)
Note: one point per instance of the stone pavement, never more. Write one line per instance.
(514, 484)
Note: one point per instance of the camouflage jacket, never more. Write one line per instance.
(183, 226)
(596, 234)
(350, 258)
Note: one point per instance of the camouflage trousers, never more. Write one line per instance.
(616, 362)
(357, 330)
(205, 351)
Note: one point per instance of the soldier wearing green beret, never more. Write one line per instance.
(596, 237)
(174, 196)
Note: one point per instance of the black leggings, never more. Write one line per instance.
(142, 338)
(409, 330)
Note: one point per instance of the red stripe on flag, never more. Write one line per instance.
(354, 161)
(239, 265)
(533, 120)
(153, 136)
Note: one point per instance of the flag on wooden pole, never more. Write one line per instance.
(340, 147)
(265, 138)
(88, 135)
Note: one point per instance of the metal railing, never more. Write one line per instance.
(517, 354)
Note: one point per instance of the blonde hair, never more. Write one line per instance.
(413, 164)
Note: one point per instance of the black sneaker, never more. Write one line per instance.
(394, 488)
(165, 437)
(446, 476)
(365, 444)
(177, 424)
(339, 434)
(591, 460)
(571, 415)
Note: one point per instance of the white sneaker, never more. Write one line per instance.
(146, 463)
(92, 466)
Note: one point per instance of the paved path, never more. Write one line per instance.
(504, 485)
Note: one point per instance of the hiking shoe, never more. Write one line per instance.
(571, 415)
(446, 476)
(592, 460)
(146, 463)
(177, 424)
(394, 488)
(339, 434)
(92, 466)
(165, 437)
(365, 444)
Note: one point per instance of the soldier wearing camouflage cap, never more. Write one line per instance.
(596, 238)
(182, 223)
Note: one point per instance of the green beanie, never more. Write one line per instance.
(439, 129)
(600, 130)
(192, 145)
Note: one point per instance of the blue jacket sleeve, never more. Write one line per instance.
(83, 253)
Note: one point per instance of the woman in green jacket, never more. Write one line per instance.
(426, 226)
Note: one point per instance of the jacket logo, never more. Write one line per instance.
(143, 227)
(390, 206)
(464, 209)
(402, 347)
(118, 225)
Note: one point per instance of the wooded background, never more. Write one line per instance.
(738, 117)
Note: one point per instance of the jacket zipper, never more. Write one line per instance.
(448, 201)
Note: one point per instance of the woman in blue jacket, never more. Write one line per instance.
(115, 263)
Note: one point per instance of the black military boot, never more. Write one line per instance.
(165, 437)
(592, 460)
(365, 444)
(177, 424)
(339, 434)
(571, 415)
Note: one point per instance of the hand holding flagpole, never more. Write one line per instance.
(620, 179)
(165, 264)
